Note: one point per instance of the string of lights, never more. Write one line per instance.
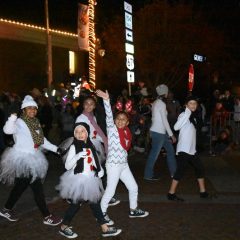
(92, 40)
(26, 25)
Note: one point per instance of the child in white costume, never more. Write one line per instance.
(119, 142)
(81, 182)
(24, 164)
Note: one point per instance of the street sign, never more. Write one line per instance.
(129, 35)
(128, 20)
(130, 76)
(130, 61)
(127, 7)
(129, 48)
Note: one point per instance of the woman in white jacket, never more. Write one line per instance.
(24, 164)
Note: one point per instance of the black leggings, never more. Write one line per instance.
(74, 207)
(20, 185)
(183, 159)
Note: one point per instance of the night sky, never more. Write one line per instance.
(62, 13)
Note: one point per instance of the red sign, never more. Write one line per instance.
(190, 77)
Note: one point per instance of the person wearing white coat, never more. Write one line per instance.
(187, 124)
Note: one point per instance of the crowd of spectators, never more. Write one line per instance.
(57, 114)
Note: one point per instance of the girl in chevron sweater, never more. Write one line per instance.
(119, 142)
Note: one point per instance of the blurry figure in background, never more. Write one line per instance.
(173, 109)
(15, 103)
(223, 144)
(2, 122)
(236, 118)
(214, 99)
(45, 114)
(141, 91)
(67, 121)
(141, 134)
(36, 94)
(228, 101)
(219, 118)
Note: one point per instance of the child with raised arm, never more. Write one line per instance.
(81, 182)
(119, 142)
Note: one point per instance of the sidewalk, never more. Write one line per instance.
(217, 218)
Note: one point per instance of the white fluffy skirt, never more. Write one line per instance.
(21, 164)
(80, 187)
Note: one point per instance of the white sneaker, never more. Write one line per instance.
(138, 213)
(112, 231)
(109, 222)
(68, 232)
(114, 202)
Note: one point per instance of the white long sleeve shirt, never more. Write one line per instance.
(22, 136)
(159, 118)
(187, 135)
(116, 153)
(72, 159)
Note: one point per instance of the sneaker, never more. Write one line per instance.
(174, 197)
(108, 220)
(52, 220)
(114, 202)
(68, 233)
(9, 215)
(112, 231)
(138, 213)
(204, 195)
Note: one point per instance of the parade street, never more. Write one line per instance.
(215, 218)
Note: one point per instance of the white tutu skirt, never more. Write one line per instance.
(16, 164)
(80, 187)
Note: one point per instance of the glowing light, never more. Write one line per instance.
(71, 62)
(77, 91)
(92, 40)
(31, 26)
(53, 92)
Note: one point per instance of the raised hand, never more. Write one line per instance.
(103, 95)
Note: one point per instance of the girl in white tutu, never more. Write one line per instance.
(24, 164)
(81, 182)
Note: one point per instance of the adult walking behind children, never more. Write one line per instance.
(161, 135)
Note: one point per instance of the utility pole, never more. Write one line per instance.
(48, 48)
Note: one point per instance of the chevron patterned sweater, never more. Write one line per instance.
(116, 153)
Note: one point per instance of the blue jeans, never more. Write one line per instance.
(158, 141)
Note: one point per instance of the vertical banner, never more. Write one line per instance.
(83, 27)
